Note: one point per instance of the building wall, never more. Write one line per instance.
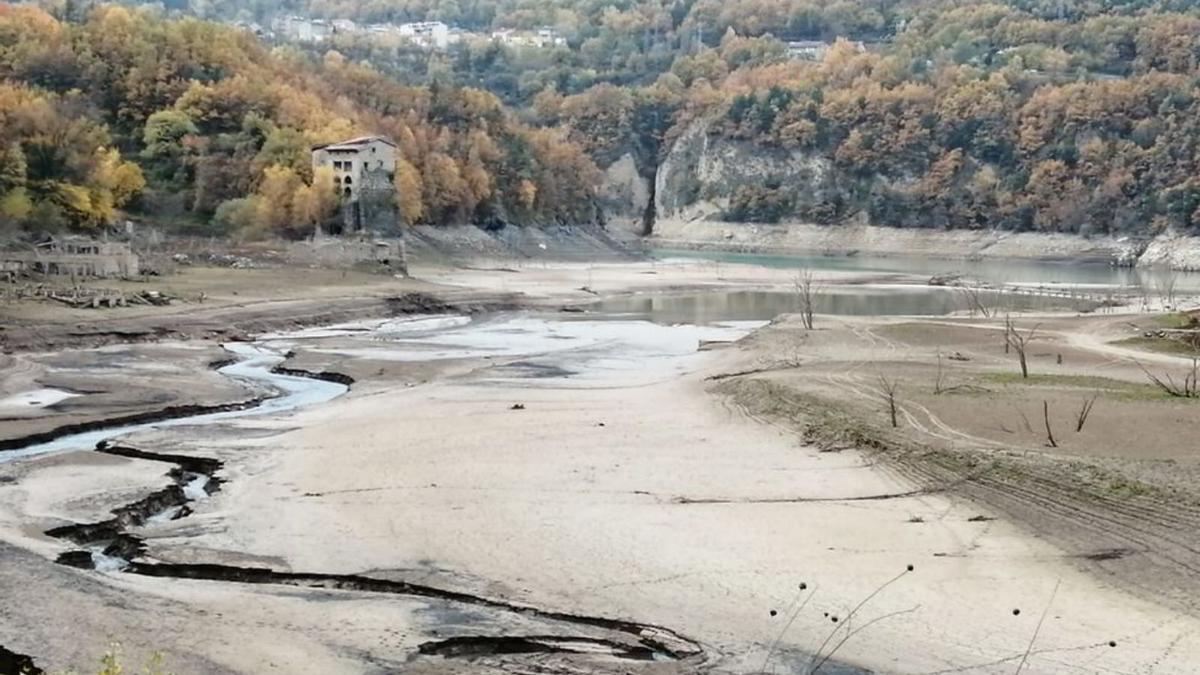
(119, 264)
(365, 179)
(350, 166)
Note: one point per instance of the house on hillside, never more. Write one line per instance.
(364, 171)
(429, 34)
(815, 50)
(543, 37)
(303, 29)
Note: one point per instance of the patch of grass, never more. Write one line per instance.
(1044, 379)
(1155, 344)
(1118, 389)
(1111, 482)
(1175, 320)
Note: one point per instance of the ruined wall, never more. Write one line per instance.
(376, 209)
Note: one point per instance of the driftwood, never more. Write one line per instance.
(740, 373)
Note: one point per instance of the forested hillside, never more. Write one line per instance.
(201, 123)
(1055, 115)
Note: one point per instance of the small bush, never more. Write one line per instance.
(759, 204)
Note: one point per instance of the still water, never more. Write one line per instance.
(994, 271)
(707, 307)
(254, 368)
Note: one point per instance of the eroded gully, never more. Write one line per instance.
(110, 546)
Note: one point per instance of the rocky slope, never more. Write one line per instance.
(699, 178)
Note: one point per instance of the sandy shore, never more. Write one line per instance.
(624, 486)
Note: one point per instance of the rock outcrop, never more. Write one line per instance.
(702, 171)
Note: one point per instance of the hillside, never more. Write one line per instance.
(196, 123)
(1073, 116)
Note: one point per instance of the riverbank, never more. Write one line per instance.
(603, 467)
(1178, 252)
(64, 367)
(1087, 452)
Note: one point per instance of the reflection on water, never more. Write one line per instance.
(994, 271)
(716, 306)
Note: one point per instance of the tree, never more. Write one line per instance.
(163, 137)
(314, 205)
(1019, 342)
(273, 203)
(409, 190)
(805, 291)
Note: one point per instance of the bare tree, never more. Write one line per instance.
(806, 292)
(1188, 388)
(1084, 412)
(1165, 282)
(1049, 432)
(889, 388)
(974, 297)
(1019, 342)
(937, 383)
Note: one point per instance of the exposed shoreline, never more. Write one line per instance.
(1180, 252)
(697, 515)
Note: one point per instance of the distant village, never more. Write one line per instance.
(425, 34)
(437, 35)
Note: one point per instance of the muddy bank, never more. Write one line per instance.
(1115, 492)
(851, 239)
(231, 323)
(462, 244)
(70, 391)
(162, 414)
(109, 544)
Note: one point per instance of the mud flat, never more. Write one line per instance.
(579, 493)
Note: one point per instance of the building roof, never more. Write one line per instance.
(354, 143)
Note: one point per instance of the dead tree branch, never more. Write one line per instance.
(1019, 342)
(1049, 432)
(1084, 412)
(1188, 388)
(889, 388)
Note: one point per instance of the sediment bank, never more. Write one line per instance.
(869, 240)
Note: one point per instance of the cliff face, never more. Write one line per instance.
(702, 172)
(707, 184)
(624, 193)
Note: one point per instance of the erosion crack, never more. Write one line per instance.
(162, 414)
(114, 541)
(473, 646)
(803, 500)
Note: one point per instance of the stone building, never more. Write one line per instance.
(364, 170)
(73, 256)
